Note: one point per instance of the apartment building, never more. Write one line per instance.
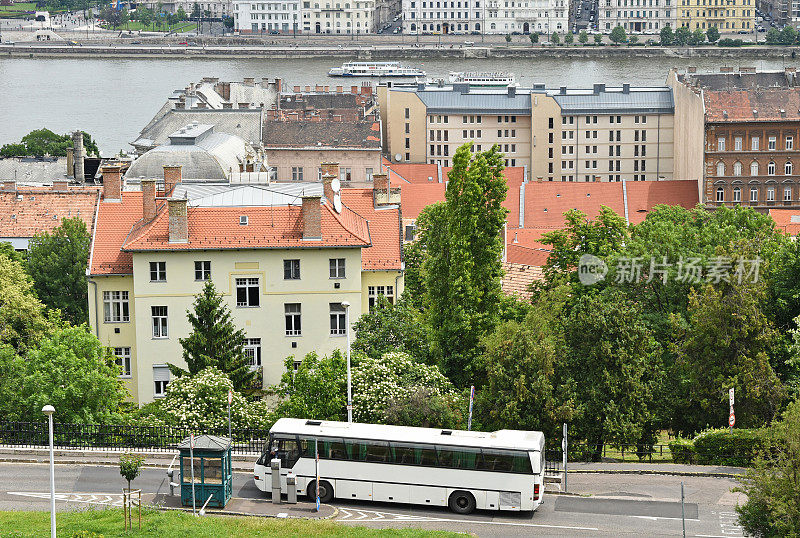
(783, 12)
(282, 17)
(286, 258)
(563, 134)
(637, 16)
(742, 136)
(484, 16)
(725, 15)
(213, 8)
(338, 17)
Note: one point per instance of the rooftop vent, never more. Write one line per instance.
(243, 220)
(626, 88)
(725, 114)
(755, 112)
(313, 423)
(598, 88)
(447, 432)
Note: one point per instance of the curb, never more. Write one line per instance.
(656, 472)
(245, 514)
(145, 465)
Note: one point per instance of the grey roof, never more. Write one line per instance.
(637, 100)
(206, 442)
(743, 81)
(32, 170)
(225, 195)
(449, 101)
(214, 157)
(244, 123)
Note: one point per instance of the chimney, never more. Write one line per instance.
(201, 104)
(77, 145)
(339, 89)
(227, 106)
(244, 105)
(249, 80)
(296, 89)
(599, 88)
(60, 185)
(311, 215)
(172, 176)
(70, 162)
(178, 221)
(626, 88)
(512, 90)
(180, 105)
(562, 90)
(10, 186)
(327, 190)
(380, 182)
(148, 199)
(330, 168)
(112, 183)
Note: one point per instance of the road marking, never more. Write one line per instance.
(105, 499)
(655, 518)
(347, 514)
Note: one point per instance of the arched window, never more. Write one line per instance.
(754, 168)
(493, 27)
(787, 194)
(771, 168)
(787, 168)
(737, 194)
(477, 26)
(720, 169)
(737, 168)
(720, 194)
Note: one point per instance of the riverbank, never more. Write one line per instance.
(212, 50)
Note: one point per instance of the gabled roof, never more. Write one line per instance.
(211, 443)
(218, 228)
(546, 202)
(761, 104)
(643, 196)
(485, 101)
(386, 249)
(242, 122)
(114, 223)
(31, 210)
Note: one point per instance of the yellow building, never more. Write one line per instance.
(725, 15)
(285, 257)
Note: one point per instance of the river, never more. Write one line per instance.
(114, 98)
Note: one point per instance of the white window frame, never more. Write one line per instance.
(158, 271)
(338, 319)
(772, 143)
(337, 267)
(252, 350)
(293, 319)
(116, 308)
(737, 194)
(754, 168)
(787, 168)
(787, 194)
(248, 284)
(770, 194)
(737, 143)
(202, 270)
(293, 266)
(720, 143)
(754, 194)
(123, 359)
(771, 168)
(720, 194)
(159, 321)
(160, 385)
(789, 142)
(373, 292)
(755, 143)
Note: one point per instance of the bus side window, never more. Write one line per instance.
(378, 452)
(355, 451)
(445, 457)
(335, 450)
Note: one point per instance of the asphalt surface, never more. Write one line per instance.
(619, 504)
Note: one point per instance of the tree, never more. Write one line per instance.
(42, 142)
(462, 269)
(72, 371)
(196, 11)
(521, 359)
(508, 38)
(618, 35)
(315, 388)
(583, 37)
(228, 22)
(697, 37)
(199, 403)
(598, 39)
(181, 13)
(633, 40)
(554, 39)
(391, 327)
(7, 250)
(773, 37)
(58, 261)
(712, 34)
(130, 465)
(414, 255)
(215, 341)
(682, 35)
(534, 37)
(22, 315)
(667, 36)
(568, 38)
(772, 484)
(608, 351)
(725, 343)
(788, 35)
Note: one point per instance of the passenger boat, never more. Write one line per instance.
(375, 69)
(487, 79)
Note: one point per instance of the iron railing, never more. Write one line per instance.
(112, 436)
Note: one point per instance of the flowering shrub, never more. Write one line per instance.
(200, 402)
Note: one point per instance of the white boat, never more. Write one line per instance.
(375, 69)
(486, 79)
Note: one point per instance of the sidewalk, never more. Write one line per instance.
(656, 468)
(238, 506)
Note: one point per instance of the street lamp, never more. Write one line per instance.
(49, 410)
(346, 306)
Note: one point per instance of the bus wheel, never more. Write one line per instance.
(462, 502)
(325, 491)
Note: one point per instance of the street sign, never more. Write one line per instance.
(230, 397)
(191, 440)
(730, 396)
(732, 420)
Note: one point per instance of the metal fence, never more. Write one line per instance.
(585, 452)
(105, 436)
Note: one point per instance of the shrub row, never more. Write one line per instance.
(719, 447)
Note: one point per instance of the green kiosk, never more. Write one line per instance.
(212, 471)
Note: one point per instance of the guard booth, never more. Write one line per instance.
(212, 471)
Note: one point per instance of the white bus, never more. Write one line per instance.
(502, 470)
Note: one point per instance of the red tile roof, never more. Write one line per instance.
(114, 223)
(268, 227)
(787, 220)
(740, 104)
(518, 279)
(417, 196)
(546, 202)
(32, 210)
(643, 196)
(403, 173)
(385, 251)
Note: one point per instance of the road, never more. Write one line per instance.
(620, 504)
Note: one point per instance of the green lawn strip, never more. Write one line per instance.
(108, 523)
(31, 6)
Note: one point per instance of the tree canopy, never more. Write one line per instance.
(43, 142)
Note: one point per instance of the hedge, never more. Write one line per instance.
(682, 451)
(722, 447)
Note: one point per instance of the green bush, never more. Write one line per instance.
(721, 447)
(682, 451)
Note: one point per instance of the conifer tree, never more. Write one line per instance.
(215, 341)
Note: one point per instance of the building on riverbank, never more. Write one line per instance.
(564, 134)
(740, 134)
(484, 16)
(732, 16)
(283, 17)
(637, 19)
(209, 8)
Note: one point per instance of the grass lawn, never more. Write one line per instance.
(108, 523)
(28, 6)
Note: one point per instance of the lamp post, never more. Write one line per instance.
(49, 410)
(346, 306)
